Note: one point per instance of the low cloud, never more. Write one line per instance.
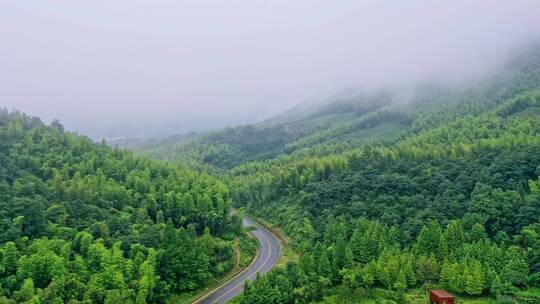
(126, 68)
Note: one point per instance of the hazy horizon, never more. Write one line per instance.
(133, 68)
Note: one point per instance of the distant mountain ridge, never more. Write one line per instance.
(352, 116)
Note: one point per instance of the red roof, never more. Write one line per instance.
(442, 294)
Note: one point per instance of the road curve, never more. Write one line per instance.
(270, 249)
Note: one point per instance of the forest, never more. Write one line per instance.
(81, 222)
(381, 199)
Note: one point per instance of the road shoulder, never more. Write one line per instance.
(199, 295)
(202, 295)
(287, 253)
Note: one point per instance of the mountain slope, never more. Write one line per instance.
(453, 202)
(347, 116)
(84, 223)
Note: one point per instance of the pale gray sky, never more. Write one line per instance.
(128, 67)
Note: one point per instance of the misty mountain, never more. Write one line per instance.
(352, 116)
(270, 152)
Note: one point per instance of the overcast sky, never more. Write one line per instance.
(128, 67)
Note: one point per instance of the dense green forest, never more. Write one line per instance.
(458, 205)
(383, 197)
(81, 222)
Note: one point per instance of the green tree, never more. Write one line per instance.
(342, 257)
(516, 270)
(428, 241)
(324, 268)
(474, 283)
(183, 263)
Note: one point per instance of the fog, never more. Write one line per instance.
(147, 68)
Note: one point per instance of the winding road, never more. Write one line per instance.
(270, 249)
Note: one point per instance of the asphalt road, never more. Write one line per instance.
(270, 249)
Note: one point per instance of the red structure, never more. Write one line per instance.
(441, 297)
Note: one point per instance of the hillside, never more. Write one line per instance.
(349, 119)
(84, 223)
(453, 202)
